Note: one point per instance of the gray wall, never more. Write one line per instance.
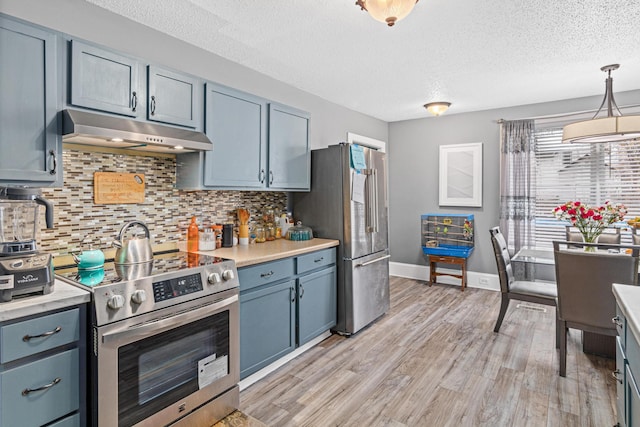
(329, 122)
(413, 171)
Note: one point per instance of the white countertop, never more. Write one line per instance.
(628, 297)
(62, 296)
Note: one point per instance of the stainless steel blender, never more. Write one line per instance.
(23, 270)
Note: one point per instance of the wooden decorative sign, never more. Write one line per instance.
(117, 188)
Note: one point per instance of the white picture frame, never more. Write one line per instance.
(460, 175)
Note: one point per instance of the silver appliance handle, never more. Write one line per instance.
(165, 323)
(364, 264)
(375, 201)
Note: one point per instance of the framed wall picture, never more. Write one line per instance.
(461, 175)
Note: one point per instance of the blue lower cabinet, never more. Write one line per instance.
(267, 325)
(317, 304)
(38, 392)
(285, 304)
(70, 421)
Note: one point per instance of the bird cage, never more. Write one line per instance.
(447, 234)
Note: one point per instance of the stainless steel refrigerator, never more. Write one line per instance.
(348, 202)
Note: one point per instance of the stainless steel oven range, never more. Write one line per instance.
(165, 340)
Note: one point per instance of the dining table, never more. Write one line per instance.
(539, 264)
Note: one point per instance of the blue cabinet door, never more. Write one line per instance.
(105, 81)
(267, 325)
(317, 304)
(289, 157)
(236, 123)
(174, 98)
(29, 98)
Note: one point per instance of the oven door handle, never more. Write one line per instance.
(165, 323)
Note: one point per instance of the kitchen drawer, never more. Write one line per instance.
(315, 260)
(632, 350)
(12, 337)
(70, 421)
(621, 326)
(257, 275)
(40, 407)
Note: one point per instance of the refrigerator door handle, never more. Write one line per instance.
(364, 264)
(375, 201)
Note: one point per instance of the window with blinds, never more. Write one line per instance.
(590, 173)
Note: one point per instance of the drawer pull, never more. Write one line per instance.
(614, 374)
(26, 338)
(269, 274)
(26, 391)
(319, 259)
(617, 322)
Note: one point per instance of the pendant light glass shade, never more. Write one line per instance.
(437, 108)
(387, 11)
(612, 128)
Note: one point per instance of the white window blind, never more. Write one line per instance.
(590, 173)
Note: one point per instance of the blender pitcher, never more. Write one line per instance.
(19, 220)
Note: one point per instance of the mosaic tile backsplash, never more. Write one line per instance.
(79, 223)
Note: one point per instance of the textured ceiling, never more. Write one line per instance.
(476, 54)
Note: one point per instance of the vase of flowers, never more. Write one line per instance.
(590, 221)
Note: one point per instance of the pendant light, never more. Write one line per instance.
(437, 108)
(388, 11)
(613, 128)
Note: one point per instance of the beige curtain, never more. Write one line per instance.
(517, 183)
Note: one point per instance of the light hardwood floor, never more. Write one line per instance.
(434, 360)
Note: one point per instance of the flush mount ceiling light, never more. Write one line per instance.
(613, 128)
(388, 11)
(437, 108)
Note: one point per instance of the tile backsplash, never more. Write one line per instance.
(166, 210)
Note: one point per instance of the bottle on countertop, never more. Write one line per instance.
(192, 236)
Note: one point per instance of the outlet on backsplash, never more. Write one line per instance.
(165, 210)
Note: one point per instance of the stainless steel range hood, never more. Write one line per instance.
(83, 127)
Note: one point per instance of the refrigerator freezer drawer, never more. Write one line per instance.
(366, 292)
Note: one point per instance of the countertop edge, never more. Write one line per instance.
(258, 253)
(63, 295)
(628, 298)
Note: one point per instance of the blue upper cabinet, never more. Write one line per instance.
(289, 159)
(174, 98)
(236, 123)
(105, 81)
(29, 99)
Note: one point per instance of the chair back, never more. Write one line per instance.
(611, 237)
(503, 259)
(584, 282)
(635, 237)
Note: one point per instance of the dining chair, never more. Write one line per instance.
(584, 279)
(610, 235)
(529, 291)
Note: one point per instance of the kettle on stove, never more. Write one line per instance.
(134, 250)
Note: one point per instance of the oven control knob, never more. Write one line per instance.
(115, 302)
(228, 275)
(214, 278)
(139, 296)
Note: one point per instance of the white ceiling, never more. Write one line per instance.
(476, 54)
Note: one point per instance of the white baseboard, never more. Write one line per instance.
(257, 376)
(421, 272)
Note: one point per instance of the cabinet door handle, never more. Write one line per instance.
(301, 291)
(614, 374)
(261, 176)
(134, 101)
(616, 321)
(270, 177)
(27, 338)
(26, 391)
(269, 274)
(153, 105)
(55, 162)
(292, 292)
(318, 259)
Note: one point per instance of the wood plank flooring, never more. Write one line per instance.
(434, 360)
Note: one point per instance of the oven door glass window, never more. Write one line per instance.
(156, 372)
